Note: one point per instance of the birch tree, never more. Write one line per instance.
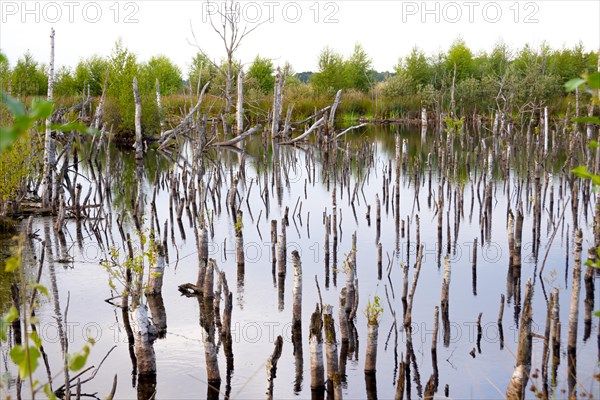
(49, 144)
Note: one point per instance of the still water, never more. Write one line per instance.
(260, 313)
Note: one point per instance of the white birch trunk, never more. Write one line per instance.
(239, 113)
(144, 351)
(138, 120)
(546, 130)
(49, 144)
(100, 109)
(160, 108)
(276, 104)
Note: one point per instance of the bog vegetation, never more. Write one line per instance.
(460, 80)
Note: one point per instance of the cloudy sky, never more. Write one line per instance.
(295, 31)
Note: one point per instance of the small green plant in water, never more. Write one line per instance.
(454, 126)
(374, 311)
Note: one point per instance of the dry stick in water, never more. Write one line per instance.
(445, 303)
(315, 341)
(574, 317)
(411, 293)
(272, 366)
(333, 374)
(500, 315)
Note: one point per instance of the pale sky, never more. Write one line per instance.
(298, 30)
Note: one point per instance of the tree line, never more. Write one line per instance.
(459, 80)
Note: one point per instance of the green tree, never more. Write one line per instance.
(358, 68)
(28, 77)
(459, 55)
(201, 67)
(4, 72)
(260, 74)
(64, 82)
(415, 68)
(331, 75)
(123, 68)
(92, 72)
(168, 74)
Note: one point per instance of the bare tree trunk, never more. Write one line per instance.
(574, 318)
(139, 149)
(518, 381)
(155, 278)
(49, 144)
(144, 351)
(161, 116)
(317, 380)
(276, 104)
(333, 374)
(331, 123)
(100, 109)
(239, 112)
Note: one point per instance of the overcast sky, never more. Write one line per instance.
(297, 30)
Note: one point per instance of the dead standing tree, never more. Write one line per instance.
(48, 181)
(232, 33)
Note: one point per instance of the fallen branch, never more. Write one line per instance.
(238, 138)
(349, 129)
(305, 134)
(171, 133)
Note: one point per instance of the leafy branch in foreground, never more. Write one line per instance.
(591, 85)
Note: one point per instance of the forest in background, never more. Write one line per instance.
(459, 82)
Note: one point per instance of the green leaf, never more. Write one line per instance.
(41, 288)
(574, 84)
(7, 137)
(6, 319)
(593, 80)
(71, 126)
(40, 109)
(11, 315)
(78, 360)
(26, 359)
(36, 339)
(592, 144)
(585, 120)
(12, 264)
(582, 172)
(13, 105)
(49, 393)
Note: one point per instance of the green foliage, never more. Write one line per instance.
(26, 356)
(374, 311)
(201, 67)
(459, 56)
(591, 84)
(337, 73)
(168, 74)
(414, 70)
(330, 76)
(90, 72)
(123, 68)
(454, 126)
(260, 74)
(4, 72)
(117, 267)
(357, 69)
(28, 77)
(64, 82)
